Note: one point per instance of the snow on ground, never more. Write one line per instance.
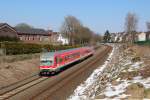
(99, 84)
(135, 66)
(80, 92)
(118, 90)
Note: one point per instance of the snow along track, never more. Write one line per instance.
(81, 91)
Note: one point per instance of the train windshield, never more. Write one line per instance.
(46, 63)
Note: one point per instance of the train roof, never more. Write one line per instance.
(62, 51)
(50, 55)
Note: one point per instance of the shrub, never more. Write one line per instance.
(6, 38)
(143, 42)
(14, 48)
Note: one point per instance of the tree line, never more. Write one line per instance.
(73, 30)
(130, 29)
(77, 33)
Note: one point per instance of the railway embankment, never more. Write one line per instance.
(125, 75)
(17, 67)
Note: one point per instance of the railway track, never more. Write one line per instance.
(26, 80)
(21, 88)
(52, 85)
(52, 89)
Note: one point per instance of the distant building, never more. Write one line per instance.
(148, 35)
(7, 31)
(126, 37)
(117, 37)
(62, 39)
(33, 35)
(113, 37)
(142, 36)
(54, 38)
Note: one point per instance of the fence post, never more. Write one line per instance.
(2, 49)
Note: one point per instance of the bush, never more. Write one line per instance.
(6, 38)
(14, 48)
(143, 42)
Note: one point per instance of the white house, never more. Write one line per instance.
(62, 40)
(142, 36)
(116, 37)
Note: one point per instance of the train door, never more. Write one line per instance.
(63, 60)
(59, 61)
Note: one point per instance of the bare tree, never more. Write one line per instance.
(131, 22)
(69, 28)
(148, 26)
(76, 32)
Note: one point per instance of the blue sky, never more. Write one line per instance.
(98, 15)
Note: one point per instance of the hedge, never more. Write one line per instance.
(143, 42)
(14, 48)
(6, 38)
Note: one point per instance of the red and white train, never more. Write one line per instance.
(53, 62)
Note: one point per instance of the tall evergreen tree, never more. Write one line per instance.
(107, 36)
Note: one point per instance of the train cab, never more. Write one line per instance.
(46, 64)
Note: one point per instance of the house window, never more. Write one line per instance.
(20, 38)
(40, 38)
(28, 38)
(25, 37)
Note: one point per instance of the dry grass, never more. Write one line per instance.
(145, 72)
(128, 75)
(147, 93)
(17, 68)
(136, 90)
(142, 51)
(14, 58)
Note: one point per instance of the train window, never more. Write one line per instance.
(57, 60)
(46, 63)
(69, 56)
(66, 57)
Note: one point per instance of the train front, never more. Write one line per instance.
(47, 64)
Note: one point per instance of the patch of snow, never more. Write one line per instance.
(137, 78)
(118, 80)
(115, 90)
(128, 63)
(146, 99)
(145, 82)
(134, 66)
(137, 64)
(80, 91)
(118, 90)
(122, 96)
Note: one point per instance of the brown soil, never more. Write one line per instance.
(128, 75)
(136, 90)
(14, 71)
